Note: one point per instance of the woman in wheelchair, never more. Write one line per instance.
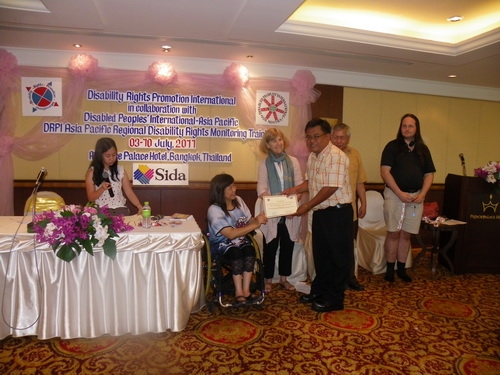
(229, 221)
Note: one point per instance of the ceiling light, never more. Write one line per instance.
(76, 45)
(452, 76)
(249, 56)
(454, 19)
(166, 48)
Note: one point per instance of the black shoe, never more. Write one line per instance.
(354, 285)
(404, 276)
(308, 298)
(323, 306)
(389, 277)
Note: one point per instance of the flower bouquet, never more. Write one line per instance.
(73, 229)
(490, 172)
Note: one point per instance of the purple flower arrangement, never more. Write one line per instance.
(73, 229)
(490, 172)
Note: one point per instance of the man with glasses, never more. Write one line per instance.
(341, 136)
(327, 181)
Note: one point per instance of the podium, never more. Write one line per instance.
(477, 247)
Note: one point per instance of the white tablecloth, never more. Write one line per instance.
(153, 285)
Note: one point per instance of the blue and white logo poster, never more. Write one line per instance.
(41, 96)
(272, 108)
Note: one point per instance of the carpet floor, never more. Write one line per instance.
(437, 325)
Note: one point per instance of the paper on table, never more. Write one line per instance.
(453, 222)
(280, 205)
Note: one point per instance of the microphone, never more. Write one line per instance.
(41, 177)
(38, 182)
(461, 156)
(105, 177)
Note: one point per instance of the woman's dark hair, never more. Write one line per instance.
(103, 145)
(419, 142)
(217, 186)
(325, 125)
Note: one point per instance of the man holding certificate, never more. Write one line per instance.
(327, 180)
(278, 172)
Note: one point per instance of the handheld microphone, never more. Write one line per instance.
(461, 156)
(105, 177)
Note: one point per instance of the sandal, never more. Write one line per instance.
(268, 286)
(286, 284)
(240, 300)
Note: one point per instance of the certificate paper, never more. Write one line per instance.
(280, 205)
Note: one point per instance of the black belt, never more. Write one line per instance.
(337, 206)
(412, 191)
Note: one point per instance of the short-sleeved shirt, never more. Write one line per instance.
(357, 174)
(407, 167)
(119, 199)
(329, 168)
(218, 220)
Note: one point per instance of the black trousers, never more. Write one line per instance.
(286, 253)
(332, 242)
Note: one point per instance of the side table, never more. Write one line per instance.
(447, 226)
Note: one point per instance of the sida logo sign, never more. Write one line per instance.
(160, 174)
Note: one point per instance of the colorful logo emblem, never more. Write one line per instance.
(272, 108)
(144, 174)
(42, 97)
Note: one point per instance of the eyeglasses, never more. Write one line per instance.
(315, 137)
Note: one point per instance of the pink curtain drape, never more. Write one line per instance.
(83, 72)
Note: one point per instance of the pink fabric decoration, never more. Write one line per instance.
(303, 82)
(8, 62)
(236, 75)
(6, 143)
(162, 73)
(84, 66)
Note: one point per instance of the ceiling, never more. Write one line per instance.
(384, 37)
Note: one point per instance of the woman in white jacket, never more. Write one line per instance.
(279, 171)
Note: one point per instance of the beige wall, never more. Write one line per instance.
(449, 126)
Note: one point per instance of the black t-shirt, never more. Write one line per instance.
(407, 167)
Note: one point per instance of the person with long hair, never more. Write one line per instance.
(408, 172)
(278, 172)
(229, 222)
(106, 181)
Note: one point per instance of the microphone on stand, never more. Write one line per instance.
(461, 156)
(39, 179)
(105, 177)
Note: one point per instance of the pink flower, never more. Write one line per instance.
(236, 75)
(8, 62)
(83, 65)
(162, 73)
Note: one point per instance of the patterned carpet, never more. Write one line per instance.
(433, 326)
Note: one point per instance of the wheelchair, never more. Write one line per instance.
(219, 286)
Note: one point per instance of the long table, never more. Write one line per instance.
(153, 285)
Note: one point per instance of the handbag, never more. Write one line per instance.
(431, 210)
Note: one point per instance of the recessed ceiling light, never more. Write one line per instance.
(249, 56)
(166, 48)
(452, 76)
(454, 19)
(76, 45)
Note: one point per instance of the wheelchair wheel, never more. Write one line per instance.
(219, 286)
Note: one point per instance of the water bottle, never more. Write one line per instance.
(146, 215)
